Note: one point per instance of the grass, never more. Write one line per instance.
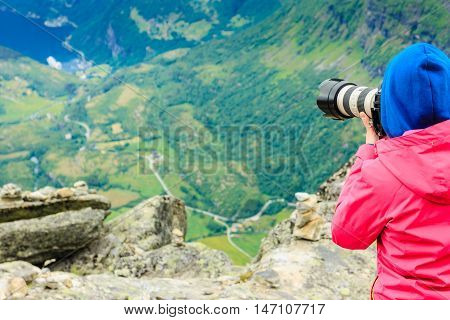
(21, 108)
(238, 21)
(146, 184)
(197, 30)
(221, 243)
(267, 222)
(208, 73)
(14, 155)
(249, 242)
(115, 213)
(127, 95)
(103, 146)
(18, 172)
(120, 197)
(198, 226)
(174, 54)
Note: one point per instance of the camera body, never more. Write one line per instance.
(341, 100)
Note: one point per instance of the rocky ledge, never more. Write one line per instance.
(142, 255)
(48, 223)
(16, 204)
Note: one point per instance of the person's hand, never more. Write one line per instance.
(371, 135)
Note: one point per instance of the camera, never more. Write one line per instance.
(340, 100)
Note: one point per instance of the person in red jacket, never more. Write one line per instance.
(398, 190)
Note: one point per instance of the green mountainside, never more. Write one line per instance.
(225, 110)
(126, 32)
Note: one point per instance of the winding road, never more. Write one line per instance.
(87, 134)
(218, 218)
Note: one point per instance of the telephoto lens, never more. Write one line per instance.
(341, 100)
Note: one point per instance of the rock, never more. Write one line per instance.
(302, 196)
(44, 202)
(190, 261)
(281, 234)
(312, 270)
(81, 185)
(310, 231)
(345, 292)
(177, 236)
(330, 189)
(142, 254)
(146, 242)
(55, 280)
(267, 277)
(108, 286)
(10, 192)
(308, 224)
(12, 288)
(35, 196)
(150, 225)
(177, 233)
(316, 270)
(54, 236)
(81, 188)
(47, 191)
(20, 269)
(64, 193)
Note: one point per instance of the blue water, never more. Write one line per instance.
(21, 35)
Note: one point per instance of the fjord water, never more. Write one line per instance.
(21, 35)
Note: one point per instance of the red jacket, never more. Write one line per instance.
(398, 192)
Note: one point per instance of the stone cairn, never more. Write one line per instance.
(307, 222)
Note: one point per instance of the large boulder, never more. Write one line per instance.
(49, 223)
(152, 224)
(148, 241)
(316, 270)
(50, 237)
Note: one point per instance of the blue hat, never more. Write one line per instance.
(415, 91)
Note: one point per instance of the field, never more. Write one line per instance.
(221, 243)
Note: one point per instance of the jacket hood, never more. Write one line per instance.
(420, 160)
(415, 90)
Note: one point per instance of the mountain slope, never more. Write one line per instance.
(126, 32)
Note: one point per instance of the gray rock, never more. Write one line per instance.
(316, 270)
(281, 234)
(54, 236)
(150, 225)
(187, 261)
(267, 277)
(34, 196)
(147, 241)
(20, 269)
(81, 185)
(330, 189)
(47, 191)
(54, 202)
(10, 192)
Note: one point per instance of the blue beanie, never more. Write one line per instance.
(415, 90)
